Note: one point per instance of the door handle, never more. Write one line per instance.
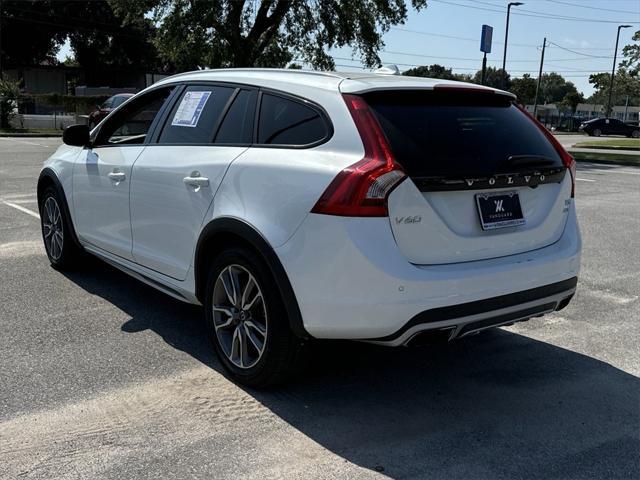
(117, 176)
(196, 180)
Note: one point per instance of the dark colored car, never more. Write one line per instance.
(609, 126)
(109, 104)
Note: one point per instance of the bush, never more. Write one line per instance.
(9, 92)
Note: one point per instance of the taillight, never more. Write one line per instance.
(567, 160)
(362, 189)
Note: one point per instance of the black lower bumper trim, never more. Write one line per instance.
(484, 306)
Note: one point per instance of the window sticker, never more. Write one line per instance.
(190, 109)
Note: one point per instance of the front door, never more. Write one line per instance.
(102, 175)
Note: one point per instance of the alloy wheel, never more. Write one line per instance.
(53, 228)
(239, 316)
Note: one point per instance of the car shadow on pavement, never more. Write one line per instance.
(496, 405)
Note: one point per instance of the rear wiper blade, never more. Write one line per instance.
(529, 160)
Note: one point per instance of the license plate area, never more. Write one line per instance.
(499, 210)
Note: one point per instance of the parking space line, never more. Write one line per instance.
(585, 179)
(21, 208)
(25, 142)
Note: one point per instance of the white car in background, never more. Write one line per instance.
(297, 205)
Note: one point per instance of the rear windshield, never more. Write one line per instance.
(451, 134)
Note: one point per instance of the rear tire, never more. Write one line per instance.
(635, 134)
(63, 252)
(596, 132)
(247, 322)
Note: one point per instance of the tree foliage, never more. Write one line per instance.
(554, 88)
(493, 78)
(524, 88)
(624, 85)
(631, 54)
(435, 71)
(8, 96)
(33, 31)
(240, 33)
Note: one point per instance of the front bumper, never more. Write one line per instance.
(352, 282)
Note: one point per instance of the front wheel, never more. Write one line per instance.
(635, 134)
(597, 132)
(247, 321)
(61, 249)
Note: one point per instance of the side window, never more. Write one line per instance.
(288, 122)
(131, 124)
(194, 117)
(237, 126)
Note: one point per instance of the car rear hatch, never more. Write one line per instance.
(486, 181)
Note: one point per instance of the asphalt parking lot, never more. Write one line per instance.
(103, 377)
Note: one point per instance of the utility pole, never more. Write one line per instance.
(506, 38)
(626, 109)
(535, 103)
(0, 39)
(613, 71)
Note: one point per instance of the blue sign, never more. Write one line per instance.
(485, 39)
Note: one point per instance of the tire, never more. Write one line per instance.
(63, 252)
(635, 134)
(596, 132)
(253, 339)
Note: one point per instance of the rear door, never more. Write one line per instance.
(176, 178)
(485, 181)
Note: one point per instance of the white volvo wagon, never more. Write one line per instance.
(297, 205)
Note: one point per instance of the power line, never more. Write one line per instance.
(475, 40)
(594, 8)
(578, 53)
(532, 14)
(412, 65)
(420, 55)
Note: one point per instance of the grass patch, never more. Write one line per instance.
(628, 143)
(599, 157)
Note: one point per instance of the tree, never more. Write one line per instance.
(631, 54)
(33, 30)
(493, 78)
(28, 35)
(571, 101)
(432, 71)
(554, 87)
(524, 88)
(240, 33)
(624, 85)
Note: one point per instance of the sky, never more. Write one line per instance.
(426, 37)
(448, 32)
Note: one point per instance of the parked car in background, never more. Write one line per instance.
(105, 109)
(298, 205)
(609, 126)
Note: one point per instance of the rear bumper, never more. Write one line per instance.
(352, 282)
(471, 317)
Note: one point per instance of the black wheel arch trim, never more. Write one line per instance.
(234, 226)
(47, 174)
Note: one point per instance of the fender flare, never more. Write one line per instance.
(228, 225)
(48, 175)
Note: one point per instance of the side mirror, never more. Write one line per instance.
(76, 135)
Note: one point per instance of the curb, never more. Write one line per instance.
(604, 147)
(29, 135)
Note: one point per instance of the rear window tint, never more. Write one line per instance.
(194, 117)
(288, 122)
(463, 133)
(237, 126)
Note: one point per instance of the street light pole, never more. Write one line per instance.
(613, 70)
(535, 102)
(506, 38)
